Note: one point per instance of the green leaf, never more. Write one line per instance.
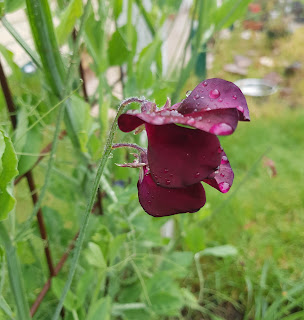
(166, 304)
(143, 68)
(68, 20)
(115, 246)
(229, 12)
(194, 238)
(221, 251)
(9, 57)
(70, 301)
(84, 283)
(31, 149)
(82, 120)
(1, 8)
(95, 256)
(8, 170)
(118, 51)
(101, 310)
(13, 5)
(117, 8)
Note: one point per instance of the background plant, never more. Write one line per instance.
(126, 269)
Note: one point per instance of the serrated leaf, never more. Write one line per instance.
(101, 310)
(68, 20)
(221, 251)
(8, 170)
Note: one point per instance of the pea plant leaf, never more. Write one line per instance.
(8, 170)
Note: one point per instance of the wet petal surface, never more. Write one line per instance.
(222, 179)
(216, 94)
(179, 156)
(160, 202)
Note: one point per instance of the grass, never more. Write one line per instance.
(264, 218)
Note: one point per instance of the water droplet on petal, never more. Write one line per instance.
(188, 93)
(221, 129)
(197, 175)
(220, 150)
(149, 201)
(224, 160)
(205, 83)
(214, 94)
(196, 96)
(234, 97)
(222, 175)
(240, 108)
(166, 170)
(188, 154)
(191, 121)
(220, 100)
(168, 182)
(224, 187)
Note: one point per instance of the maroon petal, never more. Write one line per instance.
(218, 122)
(179, 156)
(160, 202)
(216, 94)
(222, 179)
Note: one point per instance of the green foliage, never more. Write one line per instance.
(13, 5)
(8, 170)
(123, 267)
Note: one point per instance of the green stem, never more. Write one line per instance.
(86, 216)
(130, 36)
(145, 16)
(32, 54)
(15, 274)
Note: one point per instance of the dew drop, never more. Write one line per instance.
(240, 108)
(188, 154)
(149, 201)
(166, 170)
(214, 94)
(221, 129)
(222, 175)
(220, 150)
(224, 187)
(220, 100)
(188, 93)
(224, 160)
(196, 96)
(168, 182)
(205, 83)
(171, 174)
(197, 175)
(234, 97)
(191, 121)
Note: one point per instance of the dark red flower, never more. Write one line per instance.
(178, 158)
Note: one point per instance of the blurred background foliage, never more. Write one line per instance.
(239, 257)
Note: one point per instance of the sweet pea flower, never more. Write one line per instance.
(183, 148)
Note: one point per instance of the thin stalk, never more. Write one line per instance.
(145, 16)
(15, 275)
(86, 215)
(130, 36)
(14, 33)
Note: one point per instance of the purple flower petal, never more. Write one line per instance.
(160, 202)
(222, 178)
(218, 122)
(216, 94)
(179, 156)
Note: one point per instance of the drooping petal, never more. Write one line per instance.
(222, 179)
(179, 156)
(218, 122)
(216, 94)
(160, 202)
